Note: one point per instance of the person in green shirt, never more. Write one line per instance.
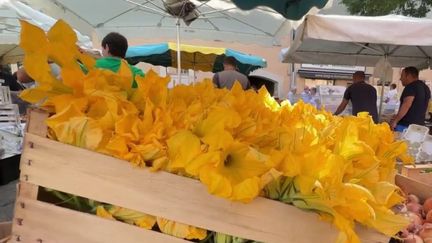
(114, 47)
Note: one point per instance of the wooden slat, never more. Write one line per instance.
(370, 236)
(52, 224)
(103, 178)
(420, 166)
(36, 122)
(27, 190)
(35, 125)
(24, 190)
(417, 173)
(5, 231)
(409, 185)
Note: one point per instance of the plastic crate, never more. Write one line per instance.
(414, 136)
(5, 95)
(10, 119)
(425, 152)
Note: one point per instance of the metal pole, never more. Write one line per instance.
(194, 61)
(293, 82)
(178, 53)
(382, 92)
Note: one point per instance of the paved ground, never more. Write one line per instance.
(7, 201)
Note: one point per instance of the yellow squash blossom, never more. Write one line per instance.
(235, 142)
(126, 215)
(182, 149)
(181, 230)
(233, 173)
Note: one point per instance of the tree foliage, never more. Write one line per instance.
(414, 8)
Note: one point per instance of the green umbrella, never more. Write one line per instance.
(290, 9)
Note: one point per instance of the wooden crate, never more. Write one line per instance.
(5, 231)
(92, 175)
(410, 185)
(418, 172)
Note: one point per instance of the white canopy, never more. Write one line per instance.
(383, 42)
(219, 20)
(362, 41)
(10, 13)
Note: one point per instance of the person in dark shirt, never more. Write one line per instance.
(363, 97)
(10, 81)
(15, 88)
(230, 75)
(413, 101)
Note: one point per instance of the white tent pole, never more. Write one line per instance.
(194, 61)
(293, 82)
(382, 92)
(178, 52)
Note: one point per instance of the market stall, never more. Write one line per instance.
(363, 41)
(197, 58)
(177, 21)
(195, 162)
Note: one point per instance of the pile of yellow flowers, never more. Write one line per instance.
(239, 144)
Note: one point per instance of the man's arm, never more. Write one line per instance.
(345, 101)
(406, 105)
(341, 107)
(216, 80)
(248, 85)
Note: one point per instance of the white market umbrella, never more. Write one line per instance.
(382, 42)
(219, 20)
(10, 14)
